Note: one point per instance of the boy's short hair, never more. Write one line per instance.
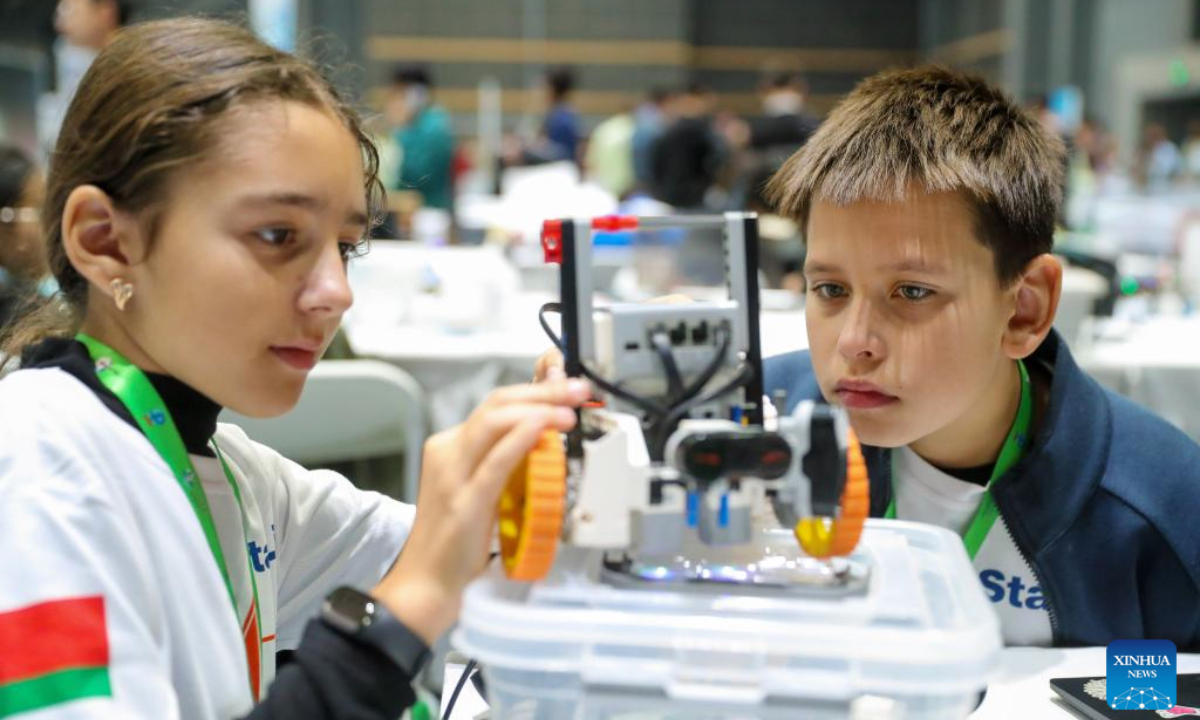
(940, 130)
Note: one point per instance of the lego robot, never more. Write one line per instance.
(678, 445)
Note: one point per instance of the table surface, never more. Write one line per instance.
(1156, 341)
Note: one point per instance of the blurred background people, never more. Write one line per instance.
(1158, 161)
(23, 268)
(785, 123)
(1191, 151)
(561, 129)
(688, 158)
(558, 137)
(90, 24)
(609, 157)
(764, 142)
(650, 121)
(84, 28)
(424, 139)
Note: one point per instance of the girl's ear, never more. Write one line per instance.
(98, 238)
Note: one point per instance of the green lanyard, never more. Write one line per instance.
(1011, 452)
(134, 390)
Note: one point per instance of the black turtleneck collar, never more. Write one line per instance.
(194, 414)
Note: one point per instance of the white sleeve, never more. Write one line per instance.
(329, 532)
(82, 628)
(333, 534)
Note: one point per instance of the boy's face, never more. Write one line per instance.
(905, 315)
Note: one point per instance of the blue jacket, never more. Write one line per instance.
(1105, 507)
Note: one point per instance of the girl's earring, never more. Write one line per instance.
(122, 291)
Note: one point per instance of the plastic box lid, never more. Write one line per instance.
(922, 628)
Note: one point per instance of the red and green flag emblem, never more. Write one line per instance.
(51, 653)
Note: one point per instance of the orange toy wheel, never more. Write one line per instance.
(830, 537)
(531, 510)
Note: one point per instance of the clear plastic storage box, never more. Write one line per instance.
(920, 643)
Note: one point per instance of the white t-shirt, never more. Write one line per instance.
(926, 494)
(90, 514)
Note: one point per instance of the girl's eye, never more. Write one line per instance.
(915, 293)
(354, 249)
(829, 291)
(277, 236)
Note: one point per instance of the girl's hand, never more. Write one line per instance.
(463, 473)
(549, 366)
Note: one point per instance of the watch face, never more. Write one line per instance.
(348, 609)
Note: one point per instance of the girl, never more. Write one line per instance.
(205, 194)
(22, 260)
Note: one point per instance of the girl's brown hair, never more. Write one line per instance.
(151, 104)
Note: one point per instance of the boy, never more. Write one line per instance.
(928, 202)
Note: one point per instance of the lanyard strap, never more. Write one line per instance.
(137, 394)
(254, 645)
(1010, 453)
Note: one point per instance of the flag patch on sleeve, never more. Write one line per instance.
(53, 652)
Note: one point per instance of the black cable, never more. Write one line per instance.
(744, 377)
(645, 404)
(648, 405)
(556, 308)
(663, 426)
(462, 681)
(711, 369)
(663, 419)
(663, 430)
(661, 342)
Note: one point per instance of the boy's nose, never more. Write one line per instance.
(327, 289)
(857, 339)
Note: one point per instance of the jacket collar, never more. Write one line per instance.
(1066, 462)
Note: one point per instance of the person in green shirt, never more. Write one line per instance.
(422, 131)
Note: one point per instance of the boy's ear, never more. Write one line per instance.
(97, 237)
(1037, 291)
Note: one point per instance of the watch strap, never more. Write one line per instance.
(364, 619)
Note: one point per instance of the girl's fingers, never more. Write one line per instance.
(549, 367)
(484, 431)
(492, 474)
(564, 391)
(507, 406)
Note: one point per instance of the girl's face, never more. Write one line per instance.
(245, 282)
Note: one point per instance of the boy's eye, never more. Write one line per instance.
(276, 236)
(915, 293)
(829, 291)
